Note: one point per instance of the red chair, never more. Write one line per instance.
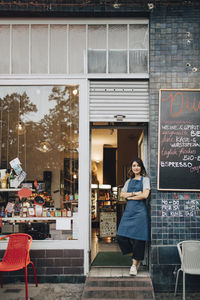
(17, 256)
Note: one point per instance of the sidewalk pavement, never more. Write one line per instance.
(44, 291)
(179, 296)
(67, 291)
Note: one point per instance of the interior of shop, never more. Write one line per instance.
(112, 149)
(39, 141)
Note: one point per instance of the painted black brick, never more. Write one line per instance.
(56, 265)
(169, 55)
(68, 261)
(73, 253)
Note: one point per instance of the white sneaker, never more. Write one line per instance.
(133, 270)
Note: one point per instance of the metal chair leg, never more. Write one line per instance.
(177, 277)
(36, 283)
(1, 282)
(26, 283)
(183, 285)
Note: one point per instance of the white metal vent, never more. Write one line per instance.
(112, 101)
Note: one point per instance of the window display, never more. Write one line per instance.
(39, 160)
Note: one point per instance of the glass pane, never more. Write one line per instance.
(96, 49)
(117, 37)
(20, 51)
(117, 61)
(4, 49)
(95, 31)
(117, 41)
(77, 41)
(39, 49)
(138, 61)
(40, 126)
(138, 37)
(96, 61)
(58, 49)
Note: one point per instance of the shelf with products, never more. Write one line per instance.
(107, 201)
(94, 197)
(41, 228)
(33, 206)
(107, 210)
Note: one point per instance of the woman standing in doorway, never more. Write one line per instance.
(133, 230)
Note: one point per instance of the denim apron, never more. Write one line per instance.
(134, 222)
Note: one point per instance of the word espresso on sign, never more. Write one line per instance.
(179, 140)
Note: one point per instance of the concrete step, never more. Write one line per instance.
(118, 288)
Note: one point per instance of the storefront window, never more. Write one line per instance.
(39, 127)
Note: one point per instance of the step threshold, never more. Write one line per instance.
(116, 272)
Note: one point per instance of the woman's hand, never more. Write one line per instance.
(126, 195)
(140, 195)
(133, 194)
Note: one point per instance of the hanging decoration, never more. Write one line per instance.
(44, 147)
(20, 128)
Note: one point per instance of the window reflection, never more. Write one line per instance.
(40, 126)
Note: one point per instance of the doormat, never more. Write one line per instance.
(112, 259)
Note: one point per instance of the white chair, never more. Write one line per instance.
(189, 252)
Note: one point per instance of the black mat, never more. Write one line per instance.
(112, 259)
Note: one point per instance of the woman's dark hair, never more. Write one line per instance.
(140, 163)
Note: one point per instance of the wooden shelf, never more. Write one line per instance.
(34, 218)
(10, 190)
(13, 190)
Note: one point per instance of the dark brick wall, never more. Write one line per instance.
(66, 8)
(87, 8)
(62, 265)
(169, 55)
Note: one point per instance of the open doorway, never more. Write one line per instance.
(113, 146)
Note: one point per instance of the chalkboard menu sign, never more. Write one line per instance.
(179, 140)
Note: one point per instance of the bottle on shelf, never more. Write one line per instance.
(69, 212)
(11, 178)
(4, 183)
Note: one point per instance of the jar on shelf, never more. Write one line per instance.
(64, 212)
(69, 213)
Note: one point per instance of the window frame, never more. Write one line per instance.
(83, 156)
(68, 22)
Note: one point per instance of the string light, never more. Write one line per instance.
(20, 128)
(44, 147)
(75, 92)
